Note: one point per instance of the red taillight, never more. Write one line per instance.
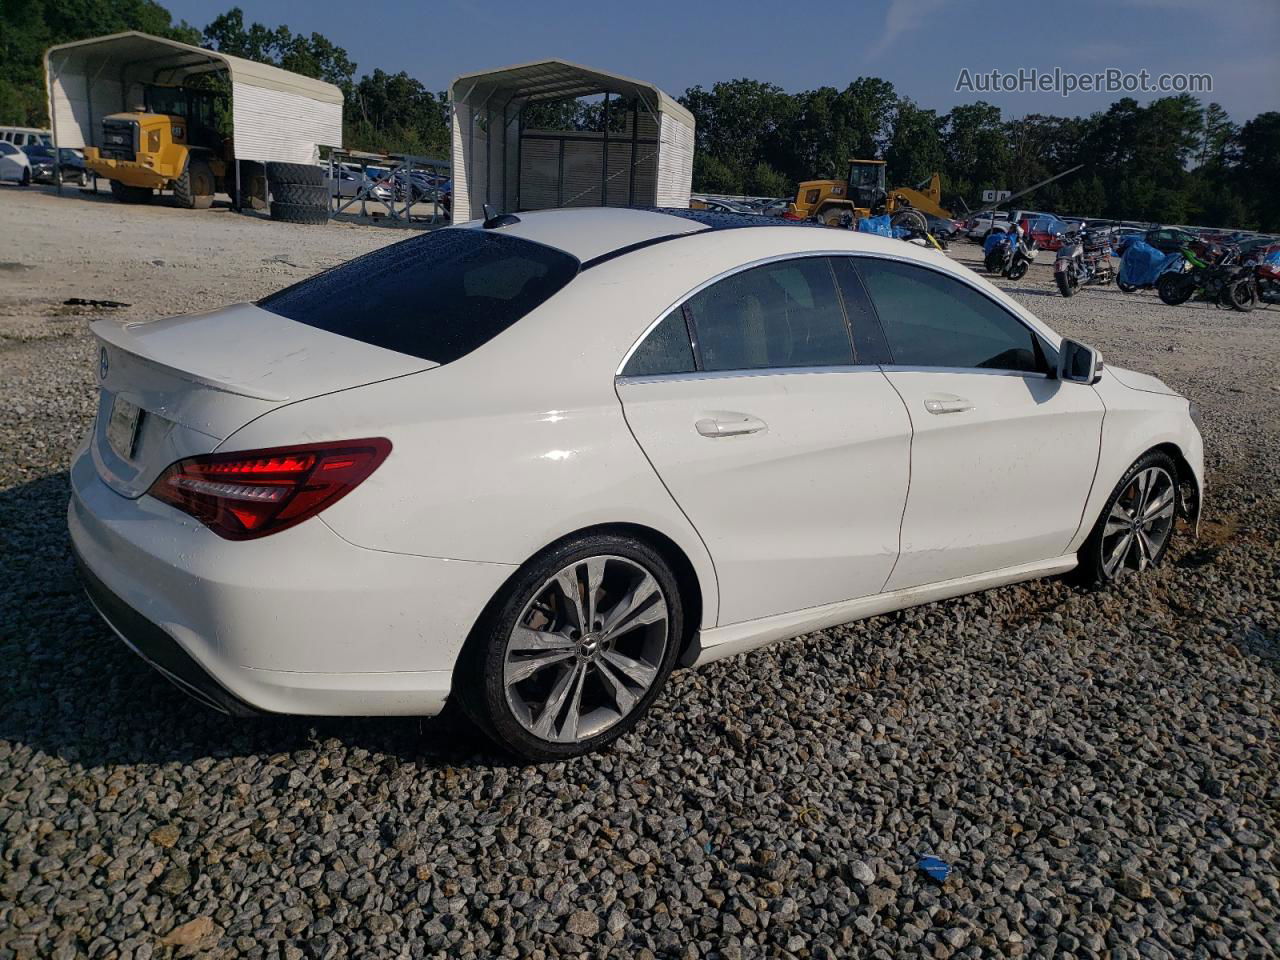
(253, 493)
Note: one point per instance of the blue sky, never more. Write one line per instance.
(919, 45)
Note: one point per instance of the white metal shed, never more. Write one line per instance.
(498, 161)
(276, 114)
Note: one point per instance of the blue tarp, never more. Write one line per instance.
(1143, 263)
(1273, 257)
(996, 238)
(880, 226)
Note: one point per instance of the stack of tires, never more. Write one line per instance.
(298, 193)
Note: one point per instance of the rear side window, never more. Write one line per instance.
(667, 349)
(784, 314)
(932, 320)
(437, 296)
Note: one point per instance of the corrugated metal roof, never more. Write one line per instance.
(558, 79)
(132, 46)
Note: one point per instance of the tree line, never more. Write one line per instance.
(1173, 160)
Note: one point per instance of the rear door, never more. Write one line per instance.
(787, 450)
(1003, 454)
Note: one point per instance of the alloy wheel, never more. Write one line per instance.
(1139, 523)
(586, 649)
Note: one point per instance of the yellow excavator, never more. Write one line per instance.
(840, 203)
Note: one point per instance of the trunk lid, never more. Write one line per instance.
(178, 387)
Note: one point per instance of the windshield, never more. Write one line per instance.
(865, 174)
(438, 296)
(38, 151)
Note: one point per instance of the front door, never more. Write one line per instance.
(787, 451)
(1003, 454)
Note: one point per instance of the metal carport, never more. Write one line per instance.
(276, 114)
(498, 161)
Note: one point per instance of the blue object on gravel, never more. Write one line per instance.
(935, 869)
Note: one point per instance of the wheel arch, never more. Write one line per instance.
(687, 580)
(1188, 504)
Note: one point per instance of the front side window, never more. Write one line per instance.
(437, 296)
(932, 320)
(784, 314)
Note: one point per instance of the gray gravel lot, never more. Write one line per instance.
(1100, 768)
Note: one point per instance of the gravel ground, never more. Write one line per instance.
(1100, 768)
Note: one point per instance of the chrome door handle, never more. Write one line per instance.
(949, 405)
(733, 425)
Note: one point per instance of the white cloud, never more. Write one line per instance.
(901, 18)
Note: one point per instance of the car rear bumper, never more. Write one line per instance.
(301, 622)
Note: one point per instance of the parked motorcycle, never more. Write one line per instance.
(1010, 253)
(1083, 260)
(1142, 265)
(1267, 276)
(1217, 275)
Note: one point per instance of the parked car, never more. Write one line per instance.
(1170, 239)
(541, 494)
(941, 228)
(345, 181)
(14, 164)
(720, 206)
(25, 136)
(977, 228)
(1047, 231)
(70, 160)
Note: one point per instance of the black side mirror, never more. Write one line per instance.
(1078, 363)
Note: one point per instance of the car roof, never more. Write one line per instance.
(593, 233)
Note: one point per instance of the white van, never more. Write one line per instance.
(25, 136)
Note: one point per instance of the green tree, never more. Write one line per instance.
(1259, 174)
(915, 149)
(29, 27)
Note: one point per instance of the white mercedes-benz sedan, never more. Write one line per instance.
(535, 463)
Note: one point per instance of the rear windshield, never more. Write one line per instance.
(437, 296)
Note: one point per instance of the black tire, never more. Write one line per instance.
(26, 177)
(912, 220)
(1019, 269)
(1067, 285)
(1175, 288)
(479, 674)
(127, 194)
(299, 213)
(834, 216)
(1125, 287)
(305, 195)
(82, 178)
(195, 188)
(306, 174)
(1239, 296)
(993, 262)
(1092, 571)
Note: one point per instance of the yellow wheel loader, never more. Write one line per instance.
(843, 202)
(171, 142)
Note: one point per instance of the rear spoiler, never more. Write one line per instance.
(116, 334)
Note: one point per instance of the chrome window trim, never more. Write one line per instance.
(979, 371)
(622, 380)
(1046, 343)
